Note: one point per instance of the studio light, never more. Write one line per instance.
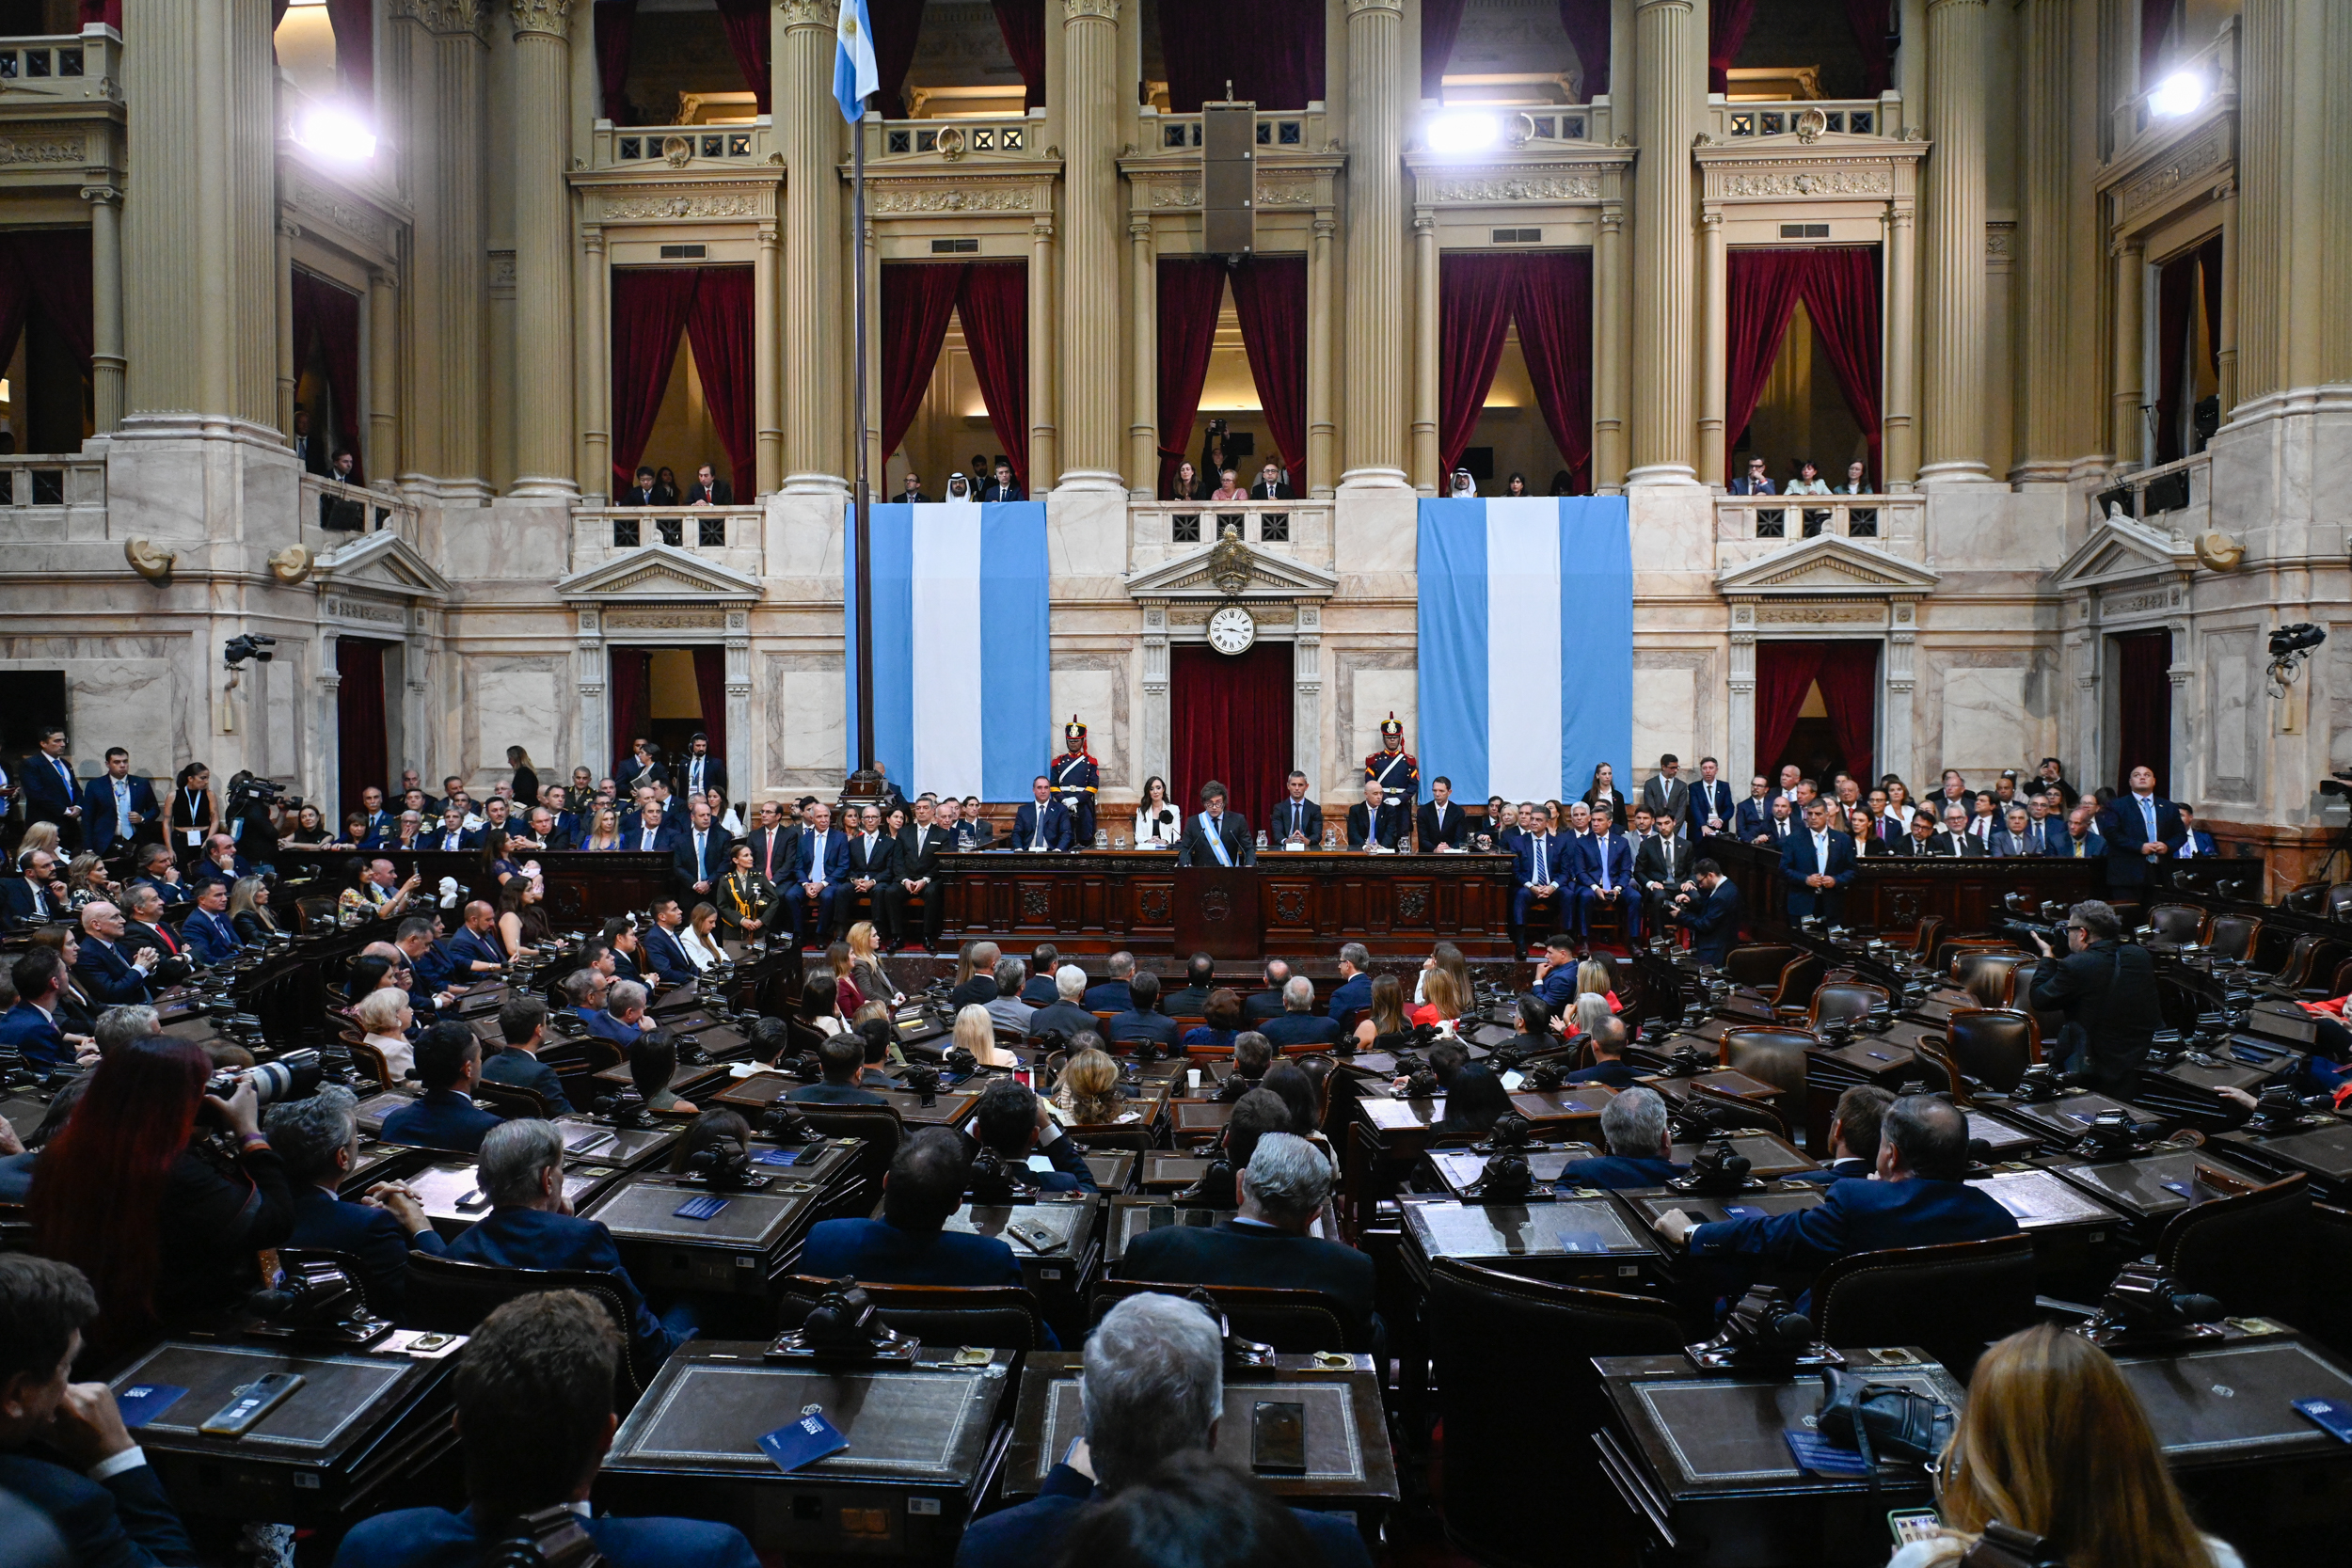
(334, 132)
(2177, 94)
(1461, 133)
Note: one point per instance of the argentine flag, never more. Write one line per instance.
(1525, 631)
(856, 77)
(962, 689)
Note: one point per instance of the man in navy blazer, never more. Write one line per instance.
(911, 1245)
(1013, 1121)
(2196, 842)
(1298, 1023)
(116, 805)
(1604, 877)
(1713, 914)
(821, 869)
(1817, 865)
(1917, 1201)
(1042, 822)
(618, 1013)
(30, 1027)
(1114, 994)
(452, 836)
(663, 950)
(1711, 796)
(1752, 818)
(110, 974)
(701, 851)
(64, 1451)
(534, 1411)
(531, 1226)
(474, 951)
(2142, 829)
(1543, 866)
(1355, 987)
(449, 1063)
(1142, 1019)
(318, 1139)
(1641, 1152)
(206, 932)
(650, 833)
(1151, 1389)
(52, 794)
(1853, 1136)
(1284, 1186)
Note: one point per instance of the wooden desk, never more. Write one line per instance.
(1890, 894)
(1094, 902)
(583, 886)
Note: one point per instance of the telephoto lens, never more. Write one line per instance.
(293, 1076)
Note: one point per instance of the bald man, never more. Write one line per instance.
(476, 946)
(110, 974)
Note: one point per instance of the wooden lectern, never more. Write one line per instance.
(1216, 910)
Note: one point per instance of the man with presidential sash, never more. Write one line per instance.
(1076, 779)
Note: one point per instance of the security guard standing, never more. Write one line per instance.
(1075, 779)
(1392, 767)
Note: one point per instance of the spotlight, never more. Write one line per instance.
(2178, 94)
(1461, 133)
(334, 132)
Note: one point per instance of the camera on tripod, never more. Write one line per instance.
(251, 789)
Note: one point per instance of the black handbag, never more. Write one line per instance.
(1883, 1420)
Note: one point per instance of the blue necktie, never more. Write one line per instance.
(1539, 858)
(2148, 815)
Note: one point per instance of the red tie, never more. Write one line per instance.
(169, 946)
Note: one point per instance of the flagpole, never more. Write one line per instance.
(863, 517)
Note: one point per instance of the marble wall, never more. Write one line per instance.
(2237, 716)
(127, 691)
(1979, 708)
(1666, 710)
(803, 705)
(528, 702)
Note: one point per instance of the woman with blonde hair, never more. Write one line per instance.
(383, 1017)
(2055, 1443)
(42, 836)
(701, 939)
(249, 909)
(604, 832)
(1593, 976)
(866, 969)
(85, 881)
(1444, 1000)
(1087, 1095)
(974, 1031)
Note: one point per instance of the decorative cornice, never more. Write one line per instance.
(890, 196)
(2190, 164)
(552, 18)
(43, 145)
(1497, 189)
(1874, 179)
(673, 204)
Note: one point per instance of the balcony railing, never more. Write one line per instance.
(1279, 130)
(1009, 136)
(62, 68)
(1162, 531)
(698, 148)
(1852, 117)
(1748, 528)
(2176, 496)
(728, 536)
(335, 513)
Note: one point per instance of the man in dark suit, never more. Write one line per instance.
(1667, 794)
(449, 1063)
(1355, 987)
(650, 833)
(318, 1139)
(2142, 829)
(145, 932)
(452, 836)
(2106, 988)
(1283, 1188)
(1002, 487)
(1609, 1069)
(64, 1451)
(1270, 486)
(644, 492)
(700, 853)
(1853, 1136)
(1711, 913)
(1012, 1122)
(1712, 808)
(873, 860)
(31, 1027)
(1376, 820)
(2014, 838)
(1917, 1201)
(1260, 1005)
(1216, 837)
(206, 932)
(52, 794)
(1952, 841)
(841, 1060)
(523, 1025)
(910, 1243)
(534, 1432)
(1752, 818)
(1817, 865)
(821, 866)
(1150, 1390)
(699, 772)
(1299, 1023)
(111, 975)
(1113, 995)
(1201, 980)
(1067, 1013)
(1143, 1020)
(1296, 819)
(36, 894)
(475, 950)
(617, 1011)
(1042, 822)
(914, 867)
(1603, 870)
(773, 842)
(1754, 483)
(1640, 1152)
(159, 868)
(1440, 823)
(1662, 867)
(2196, 842)
(664, 952)
(708, 489)
(116, 805)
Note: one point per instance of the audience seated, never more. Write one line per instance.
(1192, 998)
(1640, 1154)
(1012, 1122)
(1067, 1015)
(1112, 995)
(842, 1059)
(1260, 1005)
(911, 1245)
(535, 1413)
(523, 1025)
(1853, 1136)
(1221, 1020)
(1610, 1067)
(1006, 1009)
(449, 1063)
(318, 1139)
(1143, 1020)
(1298, 1023)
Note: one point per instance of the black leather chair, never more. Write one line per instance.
(1836, 1001)
(2336, 903)
(1952, 1300)
(2178, 923)
(1519, 1398)
(994, 1317)
(1732, 1114)
(1292, 1322)
(513, 1099)
(2232, 935)
(450, 1295)
(1774, 1055)
(1985, 975)
(878, 1125)
(1992, 1045)
(1757, 963)
(2250, 1251)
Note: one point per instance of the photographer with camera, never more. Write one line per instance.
(163, 1216)
(2106, 988)
(1012, 1122)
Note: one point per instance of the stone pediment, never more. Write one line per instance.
(1212, 572)
(659, 574)
(2123, 550)
(1826, 564)
(382, 562)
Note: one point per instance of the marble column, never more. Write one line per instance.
(1669, 42)
(593, 363)
(2232, 265)
(383, 454)
(1428, 307)
(2291, 284)
(288, 373)
(1322, 434)
(1954, 285)
(1307, 690)
(1609, 348)
(1143, 352)
(1044, 383)
(1714, 285)
(1090, 294)
(2047, 400)
(767, 405)
(105, 264)
(2127, 428)
(450, 279)
(1899, 422)
(1377, 106)
(817, 351)
(544, 461)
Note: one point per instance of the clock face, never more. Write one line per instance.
(1231, 631)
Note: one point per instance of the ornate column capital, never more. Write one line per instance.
(101, 195)
(547, 18)
(1358, 8)
(449, 18)
(1090, 11)
(809, 13)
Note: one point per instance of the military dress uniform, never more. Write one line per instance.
(1075, 779)
(1392, 767)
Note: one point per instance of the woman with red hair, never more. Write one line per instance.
(166, 1225)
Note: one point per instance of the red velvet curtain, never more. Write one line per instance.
(354, 24)
(917, 297)
(649, 309)
(1270, 50)
(746, 25)
(1441, 24)
(1727, 23)
(897, 23)
(1784, 673)
(1587, 23)
(1191, 289)
(1553, 304)
(1230, 721)
(110, 12)
(719, 326)
(361, 745)
(710, 691)
(992, 303)
(2176, 285)
(2143, 707)
(1270, 297)
(1870, 20)
(329, 317)
(2155, 23)
(631, 687)
(1023, 23)
(1474, 292)
(1841, 295)
(617, 26)
(1849, 675)
(55, 264)
(1762, 286)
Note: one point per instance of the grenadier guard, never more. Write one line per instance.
(1076, 779)
(1392, 767)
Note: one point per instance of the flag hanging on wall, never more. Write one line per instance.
(1526, 632)
(961, 681)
